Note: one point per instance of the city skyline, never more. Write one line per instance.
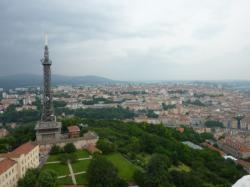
(160, 40)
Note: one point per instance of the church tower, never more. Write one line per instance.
(47, 129)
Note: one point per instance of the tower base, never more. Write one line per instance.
(48, 131)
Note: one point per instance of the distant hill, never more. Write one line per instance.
(24, 80)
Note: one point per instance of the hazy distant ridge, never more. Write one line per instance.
(13, 81)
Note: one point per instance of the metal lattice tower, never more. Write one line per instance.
(48, 129)
(47, 114)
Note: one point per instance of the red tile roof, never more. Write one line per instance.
(5, 164)
(244, 163)
(73, 128)
(235, 145)
(181, 130)
(22, 149)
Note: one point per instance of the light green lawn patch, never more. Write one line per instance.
(81, 179)
(181, 168)
(125, 168)
(80, 165)
(79, 154)
(82, 154)
(53, 158)
(60, 169)
(144, 157)
(184, 168)
(65, 181)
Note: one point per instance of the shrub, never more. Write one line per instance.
(55, 149)
(64, 158)
(106, 146)
(69, 148)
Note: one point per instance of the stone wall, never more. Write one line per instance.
(79, 143)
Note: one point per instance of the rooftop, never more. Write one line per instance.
(74, 128)
(5, 164)
(192, 145)
(90, 135)
(22, 149)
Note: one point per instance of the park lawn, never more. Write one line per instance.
(80, 165)
(125, 168)
(144, 157)
(81, 179)
(82, 154)
(180, 168)
(184, 168)
(65, 181)
(53, 158)
(59, 168)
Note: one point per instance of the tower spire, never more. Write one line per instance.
(46, 50)
(46, 39)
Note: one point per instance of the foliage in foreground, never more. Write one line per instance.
(138, 141)
(19, 135)
(102, 173)
(35, 178)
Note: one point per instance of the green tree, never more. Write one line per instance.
(64, 158)
(157, 171)
(213, 123)
(69, 148)
(168, 107)
(47, 178)
(58, 104)
(55, 149)
(106, 146)
(151, 114)
(102, 173)
(139, 178)
(29, 179)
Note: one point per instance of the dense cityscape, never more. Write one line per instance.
(206, 108)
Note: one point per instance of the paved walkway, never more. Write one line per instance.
(78, 173)
(57, 162)
(63, 176)
(89, 158)
(53, 162)
(71, 173)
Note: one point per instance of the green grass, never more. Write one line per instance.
(82, 154)
(81, 179)
(125, 168)
(144, 157)
(79, 154)
(60, 169)
(65, 181)
(81, 165)
(181, 168)
(53, 158)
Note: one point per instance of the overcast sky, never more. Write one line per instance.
(128, 39)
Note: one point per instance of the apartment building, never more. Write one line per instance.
(13, 165)
(234, 148)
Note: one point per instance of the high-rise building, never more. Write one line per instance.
(239, 118)
(48, 129)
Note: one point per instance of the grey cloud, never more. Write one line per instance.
(208, 32)
(131, 39)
